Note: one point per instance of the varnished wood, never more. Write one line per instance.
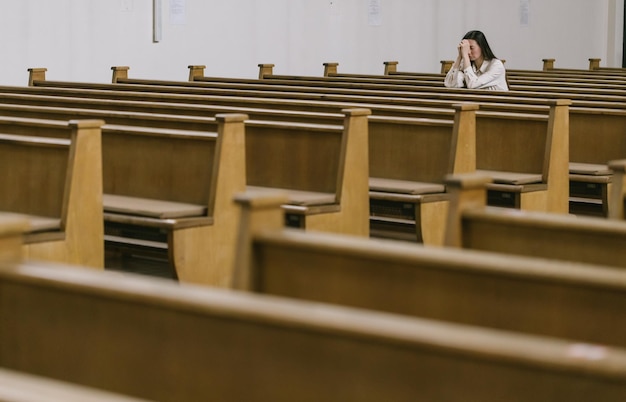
(184, 343)
(56, 180)
(516, 293)
(198, 171)
(473, 225)
(21, 387)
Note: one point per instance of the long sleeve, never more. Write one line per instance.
(454, 78)
(492, 76)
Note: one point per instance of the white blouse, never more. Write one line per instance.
(490, 76)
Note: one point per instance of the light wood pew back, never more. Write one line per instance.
(340, 199)
(57, 184)
(346, 86)
(533, 295)
(473, 225)
(403, 97)
(429, 148)
(516, 194)
(153, 339)
(166, 194)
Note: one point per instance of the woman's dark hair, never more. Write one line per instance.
(480, 38)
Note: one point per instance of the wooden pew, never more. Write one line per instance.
(407, 198)
(263, 89)
(334, 199)
(57, 185)
(590, 179)
(473, 225)
(324, 168)
(514, 194)
(167, 196)
(409, 81)
(153, 339)
(349, 86)
(21, 387)
(514, 293)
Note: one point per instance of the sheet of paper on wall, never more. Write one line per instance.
(374, 16)
(178, 12)
(524, 13)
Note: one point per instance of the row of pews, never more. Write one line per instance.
(293, 193)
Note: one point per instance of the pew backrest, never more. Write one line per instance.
(514, 293)
(158, 340)
(473, 225)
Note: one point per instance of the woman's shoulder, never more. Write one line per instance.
(495, 64)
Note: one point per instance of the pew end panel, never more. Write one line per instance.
(196, 70)
(36, 74)
(618, 195)
(66, 224)
(12, 229)
(119, 73)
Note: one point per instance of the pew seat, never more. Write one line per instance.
(148, 207)
(384, 185)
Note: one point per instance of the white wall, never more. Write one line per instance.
(81, 39)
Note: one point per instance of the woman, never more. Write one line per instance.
(476, 66)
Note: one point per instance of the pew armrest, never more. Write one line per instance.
(378, 184)
(514, 178)
(151, 208)
(301, 198)
(591, 169)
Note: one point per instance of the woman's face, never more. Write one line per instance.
(475, 52)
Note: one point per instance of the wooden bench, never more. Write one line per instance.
(518, 81)
(559, 299)
(590, 179)
(407, 199)
(167, 196)
(473, 225)
(516, 193)
(407, 89)
(335, 200)
(57, 185)
(21, 387)
(265, 88)
(154, 339)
